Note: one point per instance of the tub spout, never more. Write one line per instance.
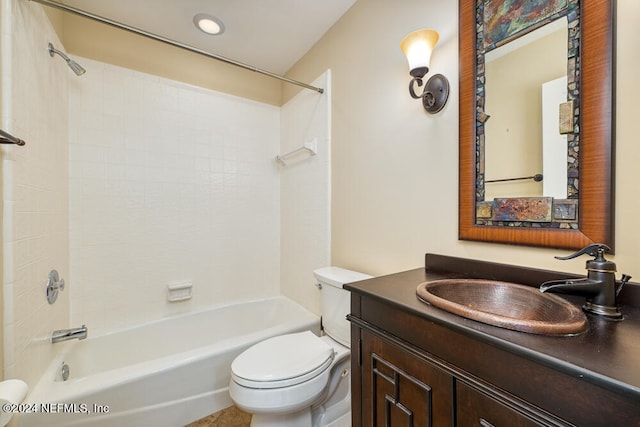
(69, 334)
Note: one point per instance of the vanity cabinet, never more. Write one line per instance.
(401, 385)
(416, 365)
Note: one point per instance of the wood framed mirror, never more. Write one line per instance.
(592, 176)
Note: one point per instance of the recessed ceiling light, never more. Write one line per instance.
(208, 24)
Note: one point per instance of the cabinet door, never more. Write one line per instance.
(402, 389)
(474, 408)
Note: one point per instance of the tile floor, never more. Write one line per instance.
(230, 417)
(234, 417)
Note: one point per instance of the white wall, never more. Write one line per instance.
(168, 183)
(34, 193)
(306, 193)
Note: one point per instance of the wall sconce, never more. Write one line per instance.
(417, 46)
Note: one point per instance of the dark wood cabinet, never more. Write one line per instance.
(402, 389)
(400, 385)
(474, 408)
(415, 365)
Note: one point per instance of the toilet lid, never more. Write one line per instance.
(282, 361)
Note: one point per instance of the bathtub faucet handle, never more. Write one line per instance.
(54, 285)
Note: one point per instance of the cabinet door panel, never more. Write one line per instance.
(476, 409)
(402, 389)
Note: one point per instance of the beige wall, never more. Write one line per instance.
(395, 167)
(90, 39)
(627, 151)
(2, 30)
(56, 18)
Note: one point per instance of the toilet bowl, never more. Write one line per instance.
(300, 379)
(280, 379)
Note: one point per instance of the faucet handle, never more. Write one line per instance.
(623, 281)
(596, 250)
(54, 285)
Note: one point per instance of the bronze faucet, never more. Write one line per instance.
(600, 286)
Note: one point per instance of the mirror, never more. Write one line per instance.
(569, 205)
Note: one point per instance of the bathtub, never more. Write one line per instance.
(165, 373)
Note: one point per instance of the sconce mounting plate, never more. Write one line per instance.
(436, 93)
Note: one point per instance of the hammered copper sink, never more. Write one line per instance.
(506, 305)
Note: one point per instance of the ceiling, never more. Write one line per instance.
(268, 34)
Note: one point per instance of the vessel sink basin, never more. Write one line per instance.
(506, 305)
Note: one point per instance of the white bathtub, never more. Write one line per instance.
(166, 373)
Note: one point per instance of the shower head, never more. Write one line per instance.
(75, 67)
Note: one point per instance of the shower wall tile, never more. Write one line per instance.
(168, 183)
(35, 191)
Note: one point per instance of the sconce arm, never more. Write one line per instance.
(412, 92)
(435, 93)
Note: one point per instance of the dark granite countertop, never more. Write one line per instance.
(607, 354)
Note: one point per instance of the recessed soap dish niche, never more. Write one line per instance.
(177, 292)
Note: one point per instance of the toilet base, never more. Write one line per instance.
(302, 418)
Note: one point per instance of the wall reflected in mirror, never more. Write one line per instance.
(525, 84)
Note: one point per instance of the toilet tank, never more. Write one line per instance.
(335, 301)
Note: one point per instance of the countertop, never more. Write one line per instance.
(607, 354)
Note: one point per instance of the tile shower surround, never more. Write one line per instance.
(168, 183)
(35, 187)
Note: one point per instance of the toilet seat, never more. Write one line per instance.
(282, 361)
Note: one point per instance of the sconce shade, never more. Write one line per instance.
(417, 46)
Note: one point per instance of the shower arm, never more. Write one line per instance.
(6, 138)
(75, 67)
(156, 37)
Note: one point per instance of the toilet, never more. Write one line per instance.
(301, 379)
